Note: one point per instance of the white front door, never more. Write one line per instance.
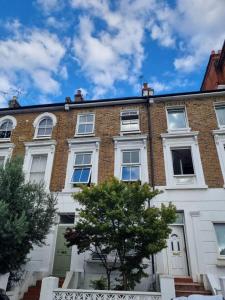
(177, 258)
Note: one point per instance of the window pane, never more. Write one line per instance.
(135, 156)
(129, 121)
(126, 157)
(220, 111)
(83, 159)
(130, 173)
(182, 162)
(90, 118)
(45, 127)
(5, 134)
(134, 173)
(76, 175)
(81, 175)
(6, 125)
(220, 234)
(85, 175)
(81, 128)
(41, 131)
(38, 166)
(39, 163)
(48, 131)
(176, 118)
(67, 219)
(37, 177)
(88, 128)
(126, 173)
(83, 119)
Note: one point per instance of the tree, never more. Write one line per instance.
(27, 211)
(115, 218)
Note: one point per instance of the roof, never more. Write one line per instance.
(111, 101)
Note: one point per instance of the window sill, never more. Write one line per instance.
(71, 190)
(181, 130)
(129, 132)
(84, 135)
(42, 138)
(4, 140)
(186, 187)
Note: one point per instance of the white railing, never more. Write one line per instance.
(67, 294)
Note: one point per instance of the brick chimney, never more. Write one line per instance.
(78, 97)
(68, 100)
(146, 90)
(13, 103)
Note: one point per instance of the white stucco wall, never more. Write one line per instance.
(201, 208)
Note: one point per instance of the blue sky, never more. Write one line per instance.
(50, 48)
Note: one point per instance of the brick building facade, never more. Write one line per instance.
(174, 142)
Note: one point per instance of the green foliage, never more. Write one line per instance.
(27, 211)
(115, 217)
(99, 284)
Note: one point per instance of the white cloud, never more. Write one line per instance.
(32, 56)
(114, 53)
(200, 25)
(49, 5)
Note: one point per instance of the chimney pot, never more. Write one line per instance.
(68, 100)
(212, 52)
(78, 97)
(13, 103)
(146, 90)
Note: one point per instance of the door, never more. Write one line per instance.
(176, 249)
(62, 257)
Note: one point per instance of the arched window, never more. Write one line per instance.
(45, 127)
(6, 128)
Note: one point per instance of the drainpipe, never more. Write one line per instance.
(152, 178)
(149, 102)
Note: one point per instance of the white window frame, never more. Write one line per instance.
(219, 137)
(187, 128)
(37, 122)
(176, 141)
(131, 164)
(6, 151)
(123, 143)
(82, 166)
(180, 148)
(218, 104)
(121, 125)
(76, 145)
(78, 123)
(14, 124)
(38, 148)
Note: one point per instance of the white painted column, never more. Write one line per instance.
(167, 287)
(47, 287)
(196, 260)
(222, 284)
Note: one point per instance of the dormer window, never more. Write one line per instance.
(220, 114)
(85, 124)
(177, 119)
(6, 128)
(129, 121)
(44, 124)
(45, 127)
